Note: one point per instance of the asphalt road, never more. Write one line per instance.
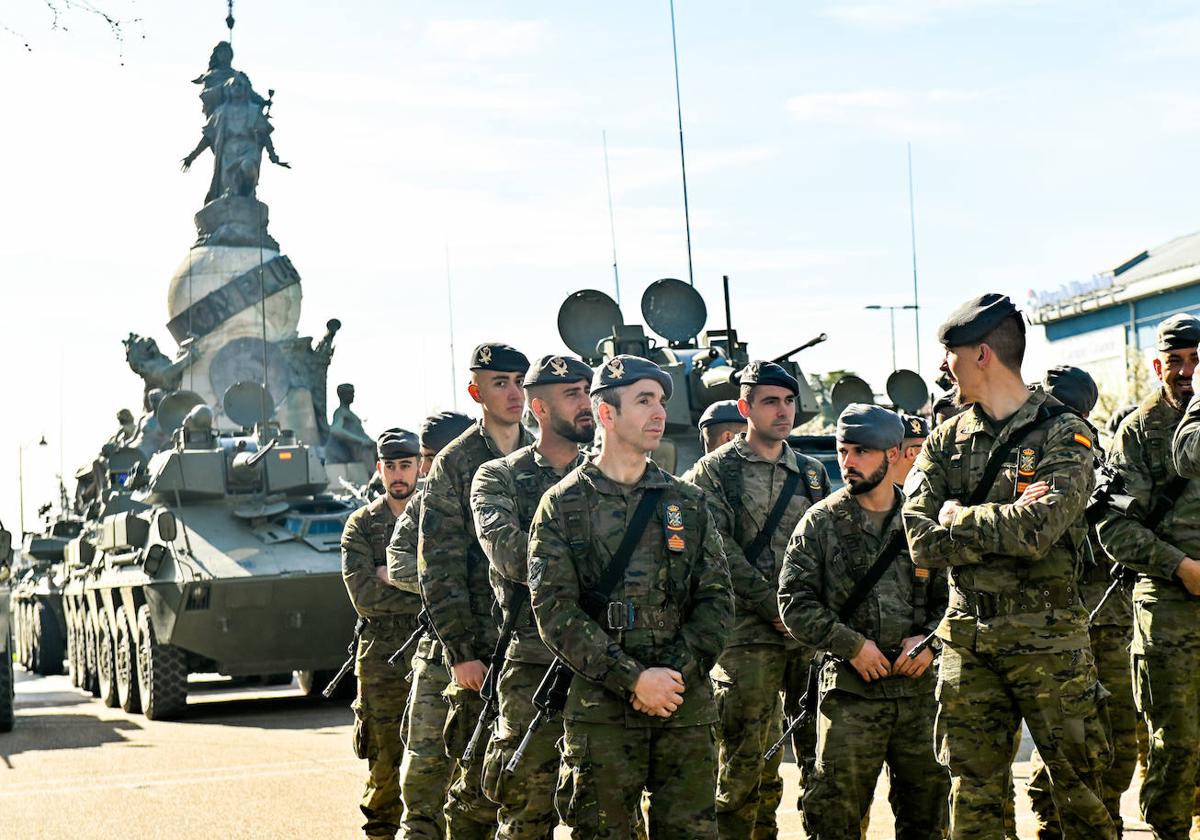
(245, 762)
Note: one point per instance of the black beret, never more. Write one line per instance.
(1071, 386)
(397, 443)
(499, 357)
(768, 373)
(722, 411)
(554, 370)
(871, 426)
(439, 429)
(915, 426)
(626, 369)
(971, 322)
(1179, 332)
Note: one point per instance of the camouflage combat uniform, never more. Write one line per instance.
(1166, 637)
(675, 606)
(382, 690)
(425, 770)
(504, 495)
(1015, 634)
(1111, 633)
(861, 725)
(453, 573)
(742, 487)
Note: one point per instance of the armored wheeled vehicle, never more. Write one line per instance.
(219, 555)
(6, 644)
(39, 624)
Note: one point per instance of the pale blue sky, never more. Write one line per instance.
(1050, 140)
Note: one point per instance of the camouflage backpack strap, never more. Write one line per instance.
(849, 533)
(380, 533)
(525, 476)
(575, 519)
(732, 488)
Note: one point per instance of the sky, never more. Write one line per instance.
(1050, 140)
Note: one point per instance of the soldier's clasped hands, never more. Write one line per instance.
(658, 692)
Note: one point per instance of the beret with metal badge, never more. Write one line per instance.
(554, 370)
(768, 373)
(1071, 386)
(397, 443)
(871, 426)
(1179, 332)
(439, 429)
(915, 426)
(502, 358)
(971, 322)
(626, 369)
(722, 411)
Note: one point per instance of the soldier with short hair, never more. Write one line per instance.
(453, 570)
(426, 769)
(1015, 641)
(744, 481)
(1154, 453)
(849, 588)
(388, 616)
(720, 423)
(504, 496)
(640, 627)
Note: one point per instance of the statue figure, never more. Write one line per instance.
(348, 442)
(155, 369)
(237, 131)
(150, 437)
(212, 81)
(125, 433)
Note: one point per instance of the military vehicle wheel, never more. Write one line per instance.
(161, 673)
(72, 652)
(48, 647)
(126, 666)
(107, 666)
(6, 687)
(92, 679)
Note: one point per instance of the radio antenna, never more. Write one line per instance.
(912, 229)
(612, 227)
(687, 221)
(450, 313)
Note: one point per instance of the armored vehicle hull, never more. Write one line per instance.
(39, 622)
(6, 663)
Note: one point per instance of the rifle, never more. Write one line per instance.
(487, 691)
(549, 699)
(351, 650)
(808, 702)
(424, 624)
(920, 646)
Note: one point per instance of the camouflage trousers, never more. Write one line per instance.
(855, 736)
(607, 767)
(748, 680)
(981, 701)
(425, 770)
(1167, 687)
(1110, 647)
(378, 712)
(469, 814)
(525, 796)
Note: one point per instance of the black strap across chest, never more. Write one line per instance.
(996, 462)
(763, 539)
(596, 598)
(891, 549)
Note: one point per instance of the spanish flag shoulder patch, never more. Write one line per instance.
(1083, 440)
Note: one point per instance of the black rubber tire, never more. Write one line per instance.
(125, 651)
(74, 672)
(49, 646)
(106, 667)
(92, 682)
(162, 673)
(6, 687)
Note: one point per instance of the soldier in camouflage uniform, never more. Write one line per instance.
(743, 481)
(390, 616)
(1015, 635)
(640, 710)
(1166, 637)
(453, 570)
(1111, 633)
(425, 770)
(720, 423)
(876, 703)
(504, 495)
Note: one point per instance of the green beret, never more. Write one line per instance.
(554, 370)
(439, 429)
(915, 426)
(626, 369)
(1179, 332)
(871, 426)
(971, 322)
(397, 443)
(499, 357)
(768, 373)
(1071, 386)
(722, 411)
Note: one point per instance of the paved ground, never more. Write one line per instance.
(248, 762)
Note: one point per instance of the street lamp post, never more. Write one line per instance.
(21, 478)
(892, 315)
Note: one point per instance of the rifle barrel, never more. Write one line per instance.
(534, 726)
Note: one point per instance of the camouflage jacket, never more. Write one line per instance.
(679, 601)
(741, 488)
(834, 546)
(504, 496)
(1013, 570)
(451, 567)
(390, 613)
(1142, 454)
(402, 567)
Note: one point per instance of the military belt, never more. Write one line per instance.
(400, 621)
(984, 605)
(622, 615)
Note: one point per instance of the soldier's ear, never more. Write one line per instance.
(473, 390)
(743, 408)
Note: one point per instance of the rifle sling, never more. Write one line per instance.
(996, 462)
(897, 543)
(1165, 502)
(773, 518)
(596, 598)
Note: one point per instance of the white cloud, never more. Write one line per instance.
(905, 113)
(912, 12)
(487, 40)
